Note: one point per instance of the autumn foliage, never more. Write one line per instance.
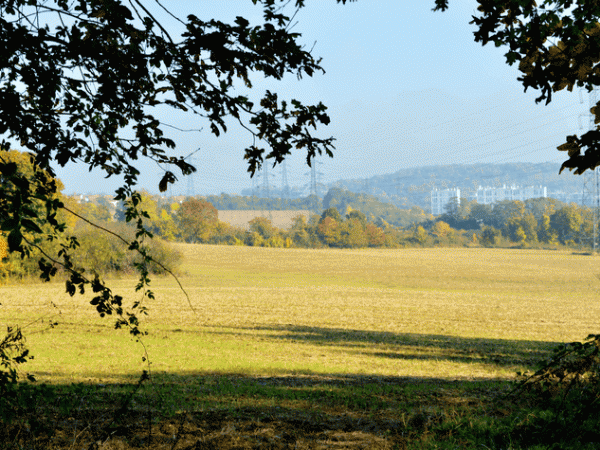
(197, 220)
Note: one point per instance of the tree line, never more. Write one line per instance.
(540, 221)
(534, 222)
(336, 196)
(345, 220)
(351, 220)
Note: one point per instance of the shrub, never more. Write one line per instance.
(12, 354)
(568, 390)
(98, 252)
(490, 236)
(106, 253)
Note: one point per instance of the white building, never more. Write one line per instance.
(441, 197)
(489, 195)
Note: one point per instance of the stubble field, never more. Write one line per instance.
(383, 335)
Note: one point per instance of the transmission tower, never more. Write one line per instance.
(591, 187)
(314, 176)
(266, 187)
(170, 186)
(191, 187)
(254, 186)
(285, 187)
(314, 184)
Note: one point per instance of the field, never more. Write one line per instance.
(294, 348)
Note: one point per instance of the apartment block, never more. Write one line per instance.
(441, 197)
(490, 195)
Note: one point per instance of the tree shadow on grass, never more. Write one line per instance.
(227, 411)
(414, 346)
(194, 410)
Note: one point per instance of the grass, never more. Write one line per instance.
(404, 348)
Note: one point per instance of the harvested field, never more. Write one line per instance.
(288, 348)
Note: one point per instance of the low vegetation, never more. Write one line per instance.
(295, 348)
(100, 252)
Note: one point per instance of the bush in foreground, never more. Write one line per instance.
(101, 252)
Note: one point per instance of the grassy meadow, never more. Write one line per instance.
(408, 340)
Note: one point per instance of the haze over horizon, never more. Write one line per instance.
(406, 87)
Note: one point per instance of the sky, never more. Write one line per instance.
(405, 87)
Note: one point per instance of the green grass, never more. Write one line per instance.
(417, 339)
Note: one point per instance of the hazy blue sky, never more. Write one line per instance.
(405, 87)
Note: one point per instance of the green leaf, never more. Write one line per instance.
(167, 179)
(70, 287)
(14, 241)
(30, 225)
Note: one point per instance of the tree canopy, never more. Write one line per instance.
(83, 82)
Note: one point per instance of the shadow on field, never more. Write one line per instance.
(193, 411)
(413, 346)
(199, 410)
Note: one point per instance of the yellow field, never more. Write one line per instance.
(444, 313)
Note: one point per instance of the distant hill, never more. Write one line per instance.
(412, 187)
(403, 197)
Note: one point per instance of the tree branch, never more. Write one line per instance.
(106, 230)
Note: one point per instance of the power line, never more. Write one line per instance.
(477, 151)
(502, 129)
